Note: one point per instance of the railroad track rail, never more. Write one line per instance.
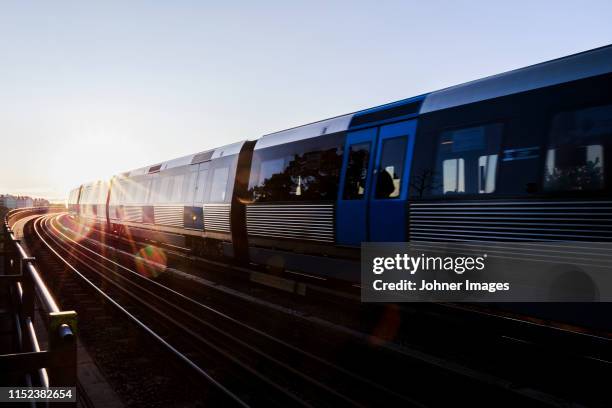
(266, 365)
(285, 374)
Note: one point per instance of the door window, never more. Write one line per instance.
(356, 171)
(391, 168)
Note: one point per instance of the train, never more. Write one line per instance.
(524, 155)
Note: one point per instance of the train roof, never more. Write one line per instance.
(92, 183)
(322, 127)
(206, 155)
(571, 68)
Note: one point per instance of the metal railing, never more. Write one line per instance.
(55, 366)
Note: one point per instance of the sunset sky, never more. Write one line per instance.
(91, 89)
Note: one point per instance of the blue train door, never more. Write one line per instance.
(374, 184)
(355, 180)
(388, 197)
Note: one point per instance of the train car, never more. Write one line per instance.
(517, 156)
(73, 201)
(185, 202)
(92, 202)
(317, 191)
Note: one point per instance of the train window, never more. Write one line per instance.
(113, 194)
(125, 192)
(134, 192)
(100, 194)
(356, 171)
(93, 195)
(116, 194)
(271, 167)
(219, 184)
(165, 189)
(201, 186)
(304, 170)
(155, 191)
(122, 193)
(189, 186)
(97, 194)
(100, 198)
(84, 195)
(177, 188)
(128, 192)
(391, 169)
(468, 160)
(575, 156)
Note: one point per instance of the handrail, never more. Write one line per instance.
(57, 365)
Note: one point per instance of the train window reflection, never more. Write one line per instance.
(155, 192)
(269, 168)
(189, 186)
(468, 160)
(391, 169)
(201, 185)
(304, 170)
(486, 177)
(166, 188)
(176, 192)
(575, 156)
(454, 170)
(219, 184)
(356, 171)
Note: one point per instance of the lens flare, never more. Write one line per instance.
(387, 326)
(151, 261)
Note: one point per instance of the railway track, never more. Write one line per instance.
(284, 374)
(262, 367)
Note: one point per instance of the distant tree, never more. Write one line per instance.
(311, 176)
(424, 182)
(586, 177)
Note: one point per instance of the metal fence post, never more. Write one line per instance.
(62, 342)
(29, 293)
(9, 250)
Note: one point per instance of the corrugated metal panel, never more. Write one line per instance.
(217, 217)
(171, 216)
(314, 222)
(132, 213)
(511, 221)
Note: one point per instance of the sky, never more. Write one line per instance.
(91, 89)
